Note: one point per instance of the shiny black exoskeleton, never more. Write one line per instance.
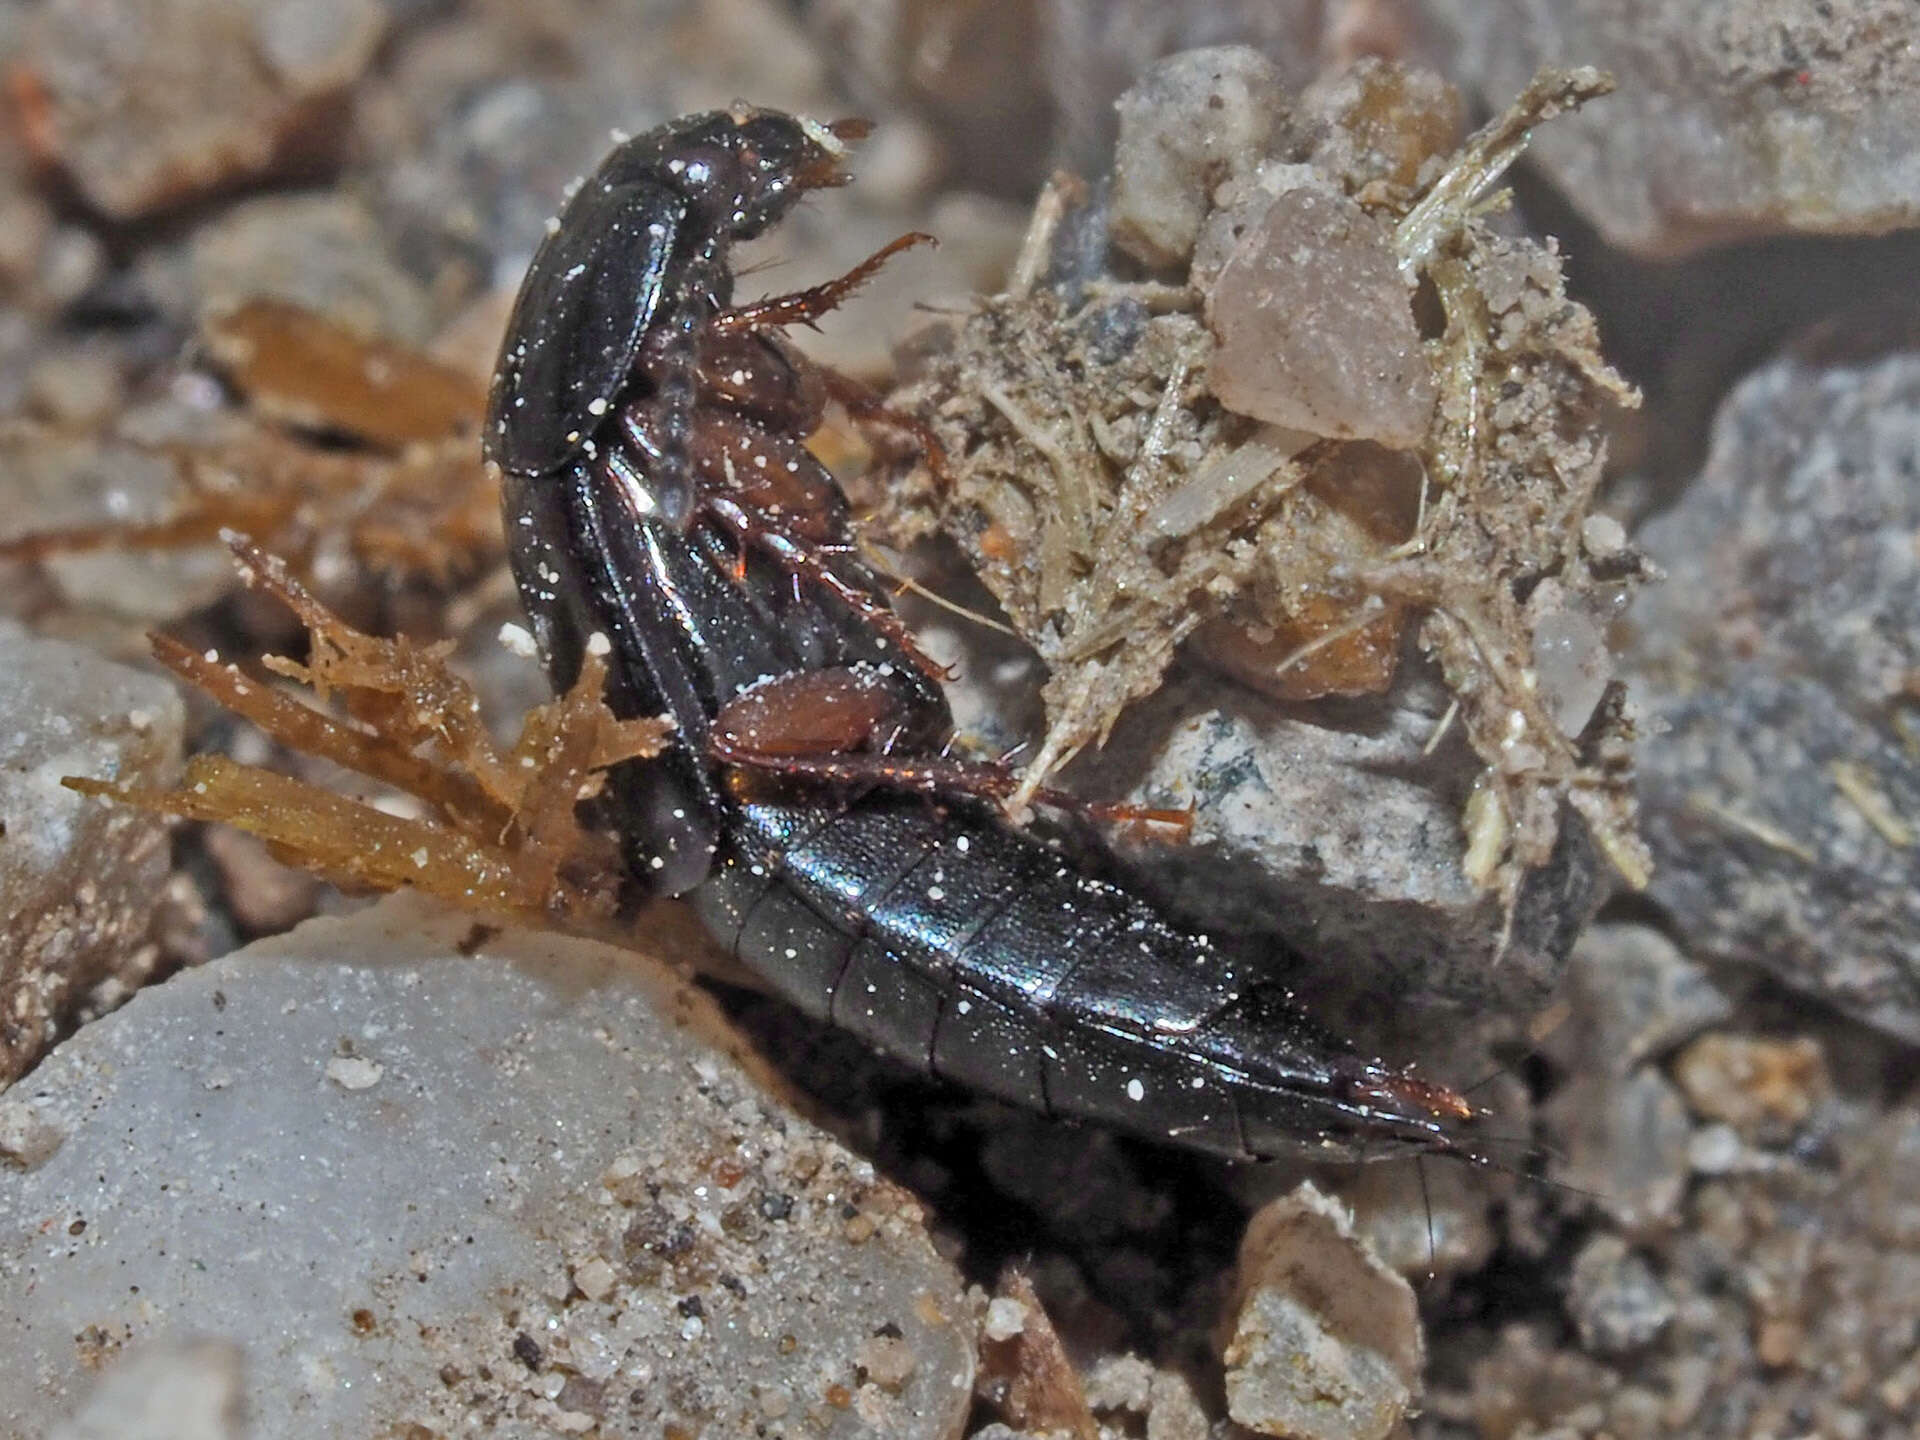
(591, 419)
(659, 503)
(642, 242)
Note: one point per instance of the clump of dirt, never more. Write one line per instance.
(1281, 391)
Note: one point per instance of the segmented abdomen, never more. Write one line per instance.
(950, 941)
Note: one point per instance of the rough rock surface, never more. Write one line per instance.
(78, 877)
(1769, 1295)
(321, 251)
(1707, 1278)
(147, 105)
(1780, 661)
(430, 1174)
(1343, 841)
(1615, 1298)
(1745, 117)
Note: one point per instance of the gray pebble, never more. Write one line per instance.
(1617, 1302)
(1779, 785)
(1738, 118)
(78, 876)
(541, 1213)
(1635, 998)
(1345, 841)
(1190, 123)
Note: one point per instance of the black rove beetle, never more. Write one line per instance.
(662, 508)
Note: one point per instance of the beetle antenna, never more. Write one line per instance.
(1426, 1203)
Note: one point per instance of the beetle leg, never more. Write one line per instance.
(843, 727)
(835, 711)
(940, 777)
(873, 417)
(803, 307)
(771, 474)
(802, 559)
(762, 378)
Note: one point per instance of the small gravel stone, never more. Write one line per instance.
(887, 1360)
(27, 1140)
(1120, 1382)
(1426, 1221)
(1635, 998)
(78, 876)
(1624, 1142)
(1163, 1398)
(168, 1390)
(1616, 1301)
(1105, 45)
(1005, 1319)
(595, 1277)
(1761, 1087)
(1715, 1150)
(353, 1072)
(1189, 124)
(316, 45)
(1326, 1340)
(1315, 322)
(1570, 654)
(438, 1209)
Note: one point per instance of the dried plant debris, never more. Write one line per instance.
(1024, 1369)
(499, 828)
(302, 369)
(407, 496)
(1286, 393)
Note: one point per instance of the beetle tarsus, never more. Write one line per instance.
(807, 307)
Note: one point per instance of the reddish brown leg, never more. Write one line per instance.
(873, 417)
(803, 307)
(770, 474)
(841, 727)
(805, 561)
(809, 713)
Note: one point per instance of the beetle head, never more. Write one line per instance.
(744, 168)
